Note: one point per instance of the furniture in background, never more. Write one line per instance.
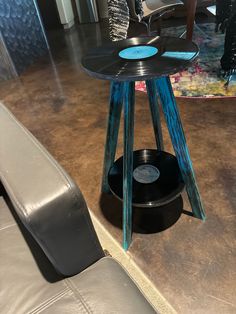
(152, 10)
(226, 22)
(191, 6)
(51, 259)
(87, 11)
(22, 36)
(168, 56)
(120, 13)
(118, 16)
(191, 11)
(148, 11)
(66, 13)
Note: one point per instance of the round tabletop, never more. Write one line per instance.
(140, 58)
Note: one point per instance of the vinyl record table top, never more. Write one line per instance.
(140, 58)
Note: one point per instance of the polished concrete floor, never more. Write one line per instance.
(192, 264)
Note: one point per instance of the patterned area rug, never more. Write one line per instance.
(204, 79)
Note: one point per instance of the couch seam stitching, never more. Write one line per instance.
(77, 292)
(49, 301)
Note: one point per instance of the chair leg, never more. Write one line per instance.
(128, 162)
(155, 112)
(191, 11)
(148, 27)
(174, 125)
(116, 102)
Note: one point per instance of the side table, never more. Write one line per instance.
(151, 59)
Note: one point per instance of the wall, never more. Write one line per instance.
(22, 35)
(7, 69)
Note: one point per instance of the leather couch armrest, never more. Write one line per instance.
(46, 199)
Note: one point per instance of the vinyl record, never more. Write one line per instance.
(140, 58)
(156, 178)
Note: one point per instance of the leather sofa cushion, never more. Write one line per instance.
(29, 283)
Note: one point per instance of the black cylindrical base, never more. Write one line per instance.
(145, 220)
(157, 179)
(157, 219)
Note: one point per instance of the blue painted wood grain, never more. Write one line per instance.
(155, 112)
(115, 107)
(128, 162)
(174, 125)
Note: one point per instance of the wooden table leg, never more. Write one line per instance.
(175, 128)
(128, 162)
(191, 11)
(116, 102)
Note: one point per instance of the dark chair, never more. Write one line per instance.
(191, 7)
(51, 260)
(152, 11)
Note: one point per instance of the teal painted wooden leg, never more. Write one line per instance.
(116, 101)
(128, 162)
(174, 124)
(155, 112)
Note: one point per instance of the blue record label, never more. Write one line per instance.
(138, 52)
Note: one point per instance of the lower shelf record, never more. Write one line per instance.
(157, 179)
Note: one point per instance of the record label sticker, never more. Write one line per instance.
(146, 174)
(138, 52)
